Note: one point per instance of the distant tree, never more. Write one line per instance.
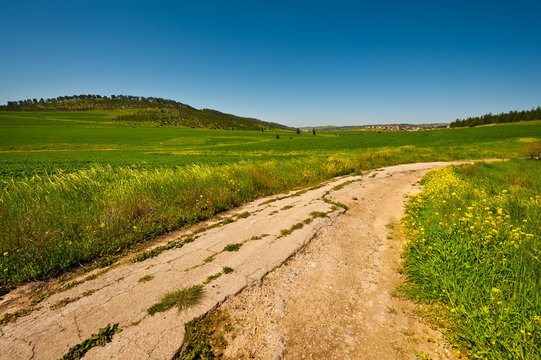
(298, 131)
(534, 150)
(313, 131)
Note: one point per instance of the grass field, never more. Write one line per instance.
(46, 142)
(475, 251)
(79, 186)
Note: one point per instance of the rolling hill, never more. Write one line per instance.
(144, 110)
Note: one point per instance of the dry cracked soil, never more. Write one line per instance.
(310, 280)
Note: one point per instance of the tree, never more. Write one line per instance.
(534, 150)
(313, 131)
(298, 131)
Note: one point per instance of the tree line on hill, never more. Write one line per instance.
(80, 102)
(145, 110)
(511, 116)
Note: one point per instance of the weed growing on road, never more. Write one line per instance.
(204, 337)
(146, 278)
(285, 232)
(181, 299)
(103, 336)
(259, 237)
(68, 300)
(212, 278)
(232, 247)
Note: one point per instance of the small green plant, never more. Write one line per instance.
(297, 226)
(227, 221)
(335, 203)
(181, 299)
(316, 214)
(69, 300)
(287, 207)
(259, 237)
(243, 215)
(211, 278)
(188, 240)
(232, 247)
(9, 317)
(421, 355)
(146, 278)
(209, 259)
(227, 270)
(104, 336)
(158, 250)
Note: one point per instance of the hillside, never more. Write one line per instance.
(144, 110)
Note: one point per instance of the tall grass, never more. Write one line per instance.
(50, 224)
(475, 250)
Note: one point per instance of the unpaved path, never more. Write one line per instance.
(331, 301)
(334, 300)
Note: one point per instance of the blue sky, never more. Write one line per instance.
(299, 63)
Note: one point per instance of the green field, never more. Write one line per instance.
(45, 142)
(78, 187)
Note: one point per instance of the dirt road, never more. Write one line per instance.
(332, 300)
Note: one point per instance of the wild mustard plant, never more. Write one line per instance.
(475, 248)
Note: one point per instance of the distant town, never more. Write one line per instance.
(380, 127)
(406, 127)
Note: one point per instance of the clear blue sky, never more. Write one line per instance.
(299, 63)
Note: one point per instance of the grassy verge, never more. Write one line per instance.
(50, 224)
(474, 251)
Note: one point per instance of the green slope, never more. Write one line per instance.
(143, 111)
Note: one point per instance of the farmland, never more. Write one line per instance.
(45, 142)
(81, 186)
(85, 188)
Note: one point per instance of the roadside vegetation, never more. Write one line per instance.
(79, 187)
(50, 224)
(474, 253)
